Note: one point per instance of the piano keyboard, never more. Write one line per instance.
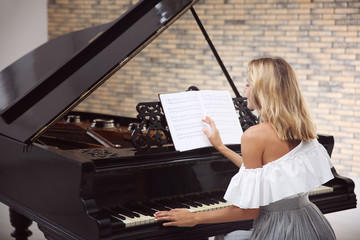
(137, 214)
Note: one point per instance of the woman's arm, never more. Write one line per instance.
(252, 150)
(184, 218)
(215, 140)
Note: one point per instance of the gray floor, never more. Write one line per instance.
(345, 223)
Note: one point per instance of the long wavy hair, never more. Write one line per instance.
(278, 98)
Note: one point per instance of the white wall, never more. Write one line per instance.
(23, 27)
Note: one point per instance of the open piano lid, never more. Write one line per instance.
(41, 87)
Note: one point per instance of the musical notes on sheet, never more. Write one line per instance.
(184, 111)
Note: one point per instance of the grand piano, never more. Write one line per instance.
(82, 175)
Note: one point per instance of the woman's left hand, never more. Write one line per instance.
(214, 135)
(176, 217)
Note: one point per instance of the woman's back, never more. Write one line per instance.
(267, 143)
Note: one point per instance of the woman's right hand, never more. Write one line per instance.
(214, 135)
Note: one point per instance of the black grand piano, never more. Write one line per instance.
(82, 175)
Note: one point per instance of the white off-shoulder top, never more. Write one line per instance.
(305, 167)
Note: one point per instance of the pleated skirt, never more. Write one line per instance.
(294, 218)
(288, 219)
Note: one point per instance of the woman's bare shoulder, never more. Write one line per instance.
(255, 143)
(252, 146)
(259, 132)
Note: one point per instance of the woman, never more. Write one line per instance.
(281, 162)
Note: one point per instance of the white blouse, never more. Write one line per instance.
(305, 167)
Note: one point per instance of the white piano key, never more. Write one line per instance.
(145, 219)
(321, 190)
(137, 221)
(210, 207)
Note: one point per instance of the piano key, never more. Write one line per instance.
(142, 213)
(137, 214)
(115, 219)
(321, 190)
(179, 203)
(208, 197)
(125, 220)
(203, 202)
(210, 207)
(210, 200)
(156, 206)
(198, 199)
(136, 218)
(171, 204)
(137, 221)
(141, 209)
(129, 222)
(125, 212)
(115, 214)
(188, 202)
(216, 196)
(219, 195)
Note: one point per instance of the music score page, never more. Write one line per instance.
(184, 111)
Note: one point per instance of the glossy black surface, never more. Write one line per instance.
(67, 178)
(46, 83)
(67, 192)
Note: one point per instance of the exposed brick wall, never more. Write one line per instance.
(319, 38)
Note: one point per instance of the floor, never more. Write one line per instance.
(345, 223)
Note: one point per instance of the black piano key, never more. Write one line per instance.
(171, 204)
(211, 197)
(126, 212)
(184, 201)
(116, 219)
(111, 213)
(187, 202)
(156, 206)
(192, 199)
(180, 204)
(219, 193)
(200, 199)
(166, 203)
(218, 196)
(141, 209)
(117, 223)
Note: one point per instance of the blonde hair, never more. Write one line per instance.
(277, 96)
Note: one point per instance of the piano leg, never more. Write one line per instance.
(21, 224)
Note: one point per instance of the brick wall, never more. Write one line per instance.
(319, 38)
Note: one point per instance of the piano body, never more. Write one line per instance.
(82, 175)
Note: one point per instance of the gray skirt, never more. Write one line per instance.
(294, 218)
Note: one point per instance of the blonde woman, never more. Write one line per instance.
(281, 162)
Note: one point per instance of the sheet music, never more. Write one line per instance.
(184, 111)
(219, 106)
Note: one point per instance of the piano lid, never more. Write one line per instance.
(41, 87)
